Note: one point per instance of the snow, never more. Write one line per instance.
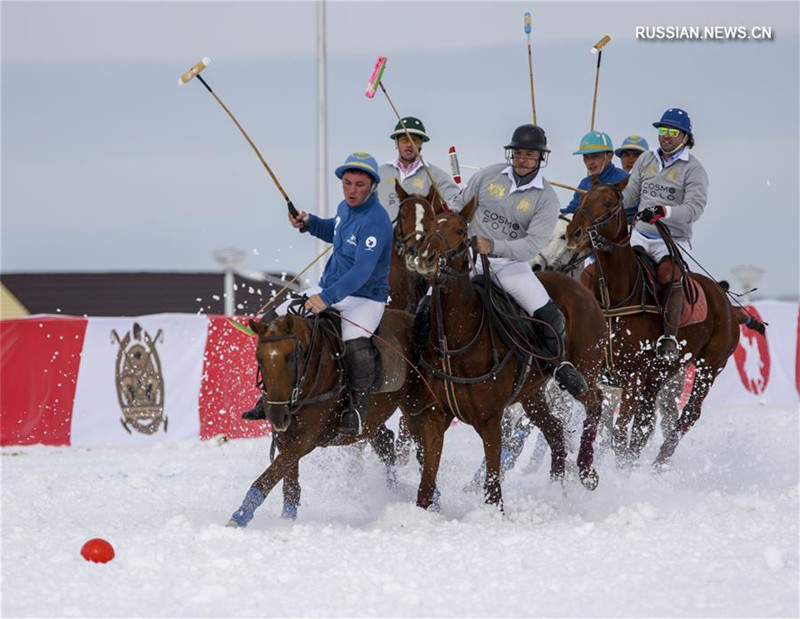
(715, 535)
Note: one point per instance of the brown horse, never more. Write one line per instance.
(476, 375)
(304, 394)
(406, 287)
(635, 324)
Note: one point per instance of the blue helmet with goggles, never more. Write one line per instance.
(675, 118)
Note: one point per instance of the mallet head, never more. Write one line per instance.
(194, 71)
(600, 44)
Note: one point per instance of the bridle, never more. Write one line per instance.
(597, 240)
(400, 240)
(445, 258)
(302, 365)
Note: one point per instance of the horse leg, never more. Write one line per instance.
(291, 492)
(667, 402)
(403, 444)
(284, 465)
(433, 427)
(610, 401)
(553, 431)
(592, 402)
(704, 379)
(644, 422)
(619, 441)
(492, 435)
(383, 444)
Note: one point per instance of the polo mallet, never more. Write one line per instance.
(530, 62)
(455, 169)
(195, 72)
(248, 330)
(372, 87)
(597, 48)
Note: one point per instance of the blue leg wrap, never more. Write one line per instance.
(289, 511)
(435, 506)
(252, 501)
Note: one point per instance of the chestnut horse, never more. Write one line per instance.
(406, 287)
(480, 375)
(634, 326)
(305, 391)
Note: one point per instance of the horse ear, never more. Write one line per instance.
(401, 193)
(468, 212)
(622, 184)
(595, 181)
(258, 327)
(289, 322)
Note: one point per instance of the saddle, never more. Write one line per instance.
(390, 368)
(695, 305)
(513, 324)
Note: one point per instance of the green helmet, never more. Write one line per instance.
(595, 142)
(413, 125)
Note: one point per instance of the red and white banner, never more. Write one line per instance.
(172, 377)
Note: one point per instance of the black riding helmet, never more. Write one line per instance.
(529, 137)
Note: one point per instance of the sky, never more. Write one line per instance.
(109, 165)
(714, 536)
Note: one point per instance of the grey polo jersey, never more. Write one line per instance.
(682, 185)
(416, 182)
(518, 220)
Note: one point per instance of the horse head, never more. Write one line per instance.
(286, 353)
(599, 223)
(414, 214)
(556, 256)
(443, 251)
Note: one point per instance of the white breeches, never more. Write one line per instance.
(360, 316)
(655, 248)
(518, 280)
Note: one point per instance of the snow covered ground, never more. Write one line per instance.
(717, 535)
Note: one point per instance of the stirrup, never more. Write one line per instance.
(570, 379)
(350, 429)
(666, 352)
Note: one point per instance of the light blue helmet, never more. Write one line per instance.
(677, 119)
(360, 161)
(595, 142)
(632, 142)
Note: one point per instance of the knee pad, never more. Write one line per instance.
(668, 272)
(359, 362)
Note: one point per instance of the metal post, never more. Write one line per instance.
(322, 131)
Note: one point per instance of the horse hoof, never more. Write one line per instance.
(289, 511)
(590, 479)
(232, 524)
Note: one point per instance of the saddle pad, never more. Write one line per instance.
(390, 368)
(691, 313)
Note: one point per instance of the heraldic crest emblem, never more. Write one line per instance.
(139, 380)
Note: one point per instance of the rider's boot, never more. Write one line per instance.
(667, 345)
(553, 335)
(257, 413)
(360, 366)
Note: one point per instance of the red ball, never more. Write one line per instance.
(97, 550)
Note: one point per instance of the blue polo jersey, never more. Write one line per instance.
(362, 245)
(610, 175)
